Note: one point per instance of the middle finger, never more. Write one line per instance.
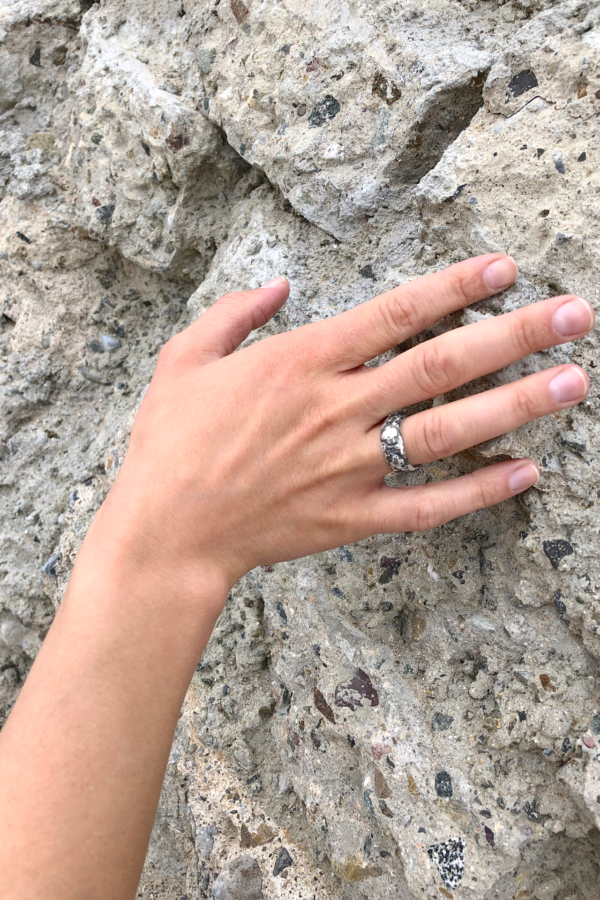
(457, 357)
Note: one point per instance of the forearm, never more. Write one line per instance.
(84, 751)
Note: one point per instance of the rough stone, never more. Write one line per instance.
(154, 155)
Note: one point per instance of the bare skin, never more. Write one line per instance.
(236, 460)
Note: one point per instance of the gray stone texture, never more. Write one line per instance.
(418, 715)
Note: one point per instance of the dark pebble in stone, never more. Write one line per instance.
(489, 835)
(485, 813)
(390, 562)
(226, 689)
(239, 10)
(595, 725)
(573, 444)
(367, 272)
(36, 58)
(386, 576)
(146, 148)
(367, 846)
(540, 152)
(443, 784)
(283, 861)
(532, 812)
(23, 237)
(385, 809)
(582, 157)
(563, 238)
(385, 89)
(105, 213)
(324, 111)
(441, 722)
(390, 763)
(521, 83)
(323, 706)
(368, 801)
(456, 193)
(566, 745)
(282, 612)
(559, 165)
(560, 604)
(350, 694)
(522, 715)
(421, 830)
(95, 346)
(557, 550)
(386, 606)
(351, 740)
(96, 138)
(48, 567)
(285, 49)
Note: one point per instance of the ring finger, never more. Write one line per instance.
(448, 429)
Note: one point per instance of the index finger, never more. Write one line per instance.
(356, 336)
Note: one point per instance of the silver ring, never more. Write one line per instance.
(392, 443)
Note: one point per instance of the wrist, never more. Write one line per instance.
(123, 556)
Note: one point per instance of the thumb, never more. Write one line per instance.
(229, 321)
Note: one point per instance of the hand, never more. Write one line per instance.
(273, 452)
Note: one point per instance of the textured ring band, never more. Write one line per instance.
(392, 443)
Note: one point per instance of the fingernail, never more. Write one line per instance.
(571, 384)
(524, 477)
(573, 317)
(500, 274)
(279, 280)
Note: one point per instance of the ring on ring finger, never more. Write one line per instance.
(392, 443)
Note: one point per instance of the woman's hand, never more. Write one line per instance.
(273, 452)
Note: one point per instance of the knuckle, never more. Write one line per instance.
(301, 348)
(401, 314)
(231, 298)
(526, 334)
(169, 354)
(426, 513)
(486, 493)
(436, 435)
(523, 404)
(438, 368)
(460, 284)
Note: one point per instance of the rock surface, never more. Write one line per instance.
(417, 714)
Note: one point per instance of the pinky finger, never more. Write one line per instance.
(422, 507)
